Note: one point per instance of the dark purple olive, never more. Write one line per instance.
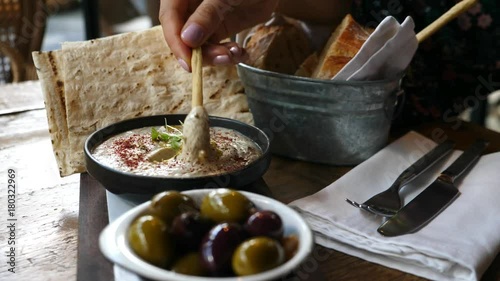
(188, 229)
(264, 223)
(218, 246)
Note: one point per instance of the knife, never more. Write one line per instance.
(388, 202)
(434, 199)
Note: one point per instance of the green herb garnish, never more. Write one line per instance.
(172, 136)
(154, 134)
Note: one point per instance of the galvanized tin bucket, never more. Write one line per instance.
(330, 122)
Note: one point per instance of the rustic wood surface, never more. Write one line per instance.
(51, 220)
(27, 97)
(46, 207)
(91, 264)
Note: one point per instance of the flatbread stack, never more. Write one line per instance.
(89, 85)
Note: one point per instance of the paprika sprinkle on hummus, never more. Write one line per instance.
(152, 151)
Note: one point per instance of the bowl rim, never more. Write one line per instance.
(237, 178)
(114, 245)
(88, 147)
(315, 80)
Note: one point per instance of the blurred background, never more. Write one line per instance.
(33, 25)
(68, 21)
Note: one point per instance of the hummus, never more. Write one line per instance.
(129, 152)
(196, 138)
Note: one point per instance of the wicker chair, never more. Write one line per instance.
(22, 26)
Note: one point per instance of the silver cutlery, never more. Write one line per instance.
(434, 199)
(388, 202)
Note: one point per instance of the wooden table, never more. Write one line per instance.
(59, 218)
(46, 205)
(287, 180)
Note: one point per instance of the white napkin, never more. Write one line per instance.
(459, 244)
(385, 54)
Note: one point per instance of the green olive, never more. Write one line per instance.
(169, 204)
(149, 239)
(257, 255)
(190, 264)
(225, 205)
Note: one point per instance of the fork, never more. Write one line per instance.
(388, 202)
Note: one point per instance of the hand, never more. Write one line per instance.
(189, 24)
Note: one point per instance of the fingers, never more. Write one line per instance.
(223, 18)
(223, 54)
(212, 20)
(172, 17)
(204, 21)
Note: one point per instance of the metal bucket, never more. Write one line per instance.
(322, 121)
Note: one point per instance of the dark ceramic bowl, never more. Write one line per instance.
(121, 182)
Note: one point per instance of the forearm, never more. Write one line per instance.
(316, 11)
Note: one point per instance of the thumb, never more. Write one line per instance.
(205, 21)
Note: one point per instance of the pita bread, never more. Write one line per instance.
(89, 85)
(52, 82)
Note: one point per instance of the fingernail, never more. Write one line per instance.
(183, 64)
(193, 34)
(235, 51)
(221, 60)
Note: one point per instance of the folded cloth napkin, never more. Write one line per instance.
(459, 244)
(385, 54)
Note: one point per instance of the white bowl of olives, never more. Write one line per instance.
(208, 234)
